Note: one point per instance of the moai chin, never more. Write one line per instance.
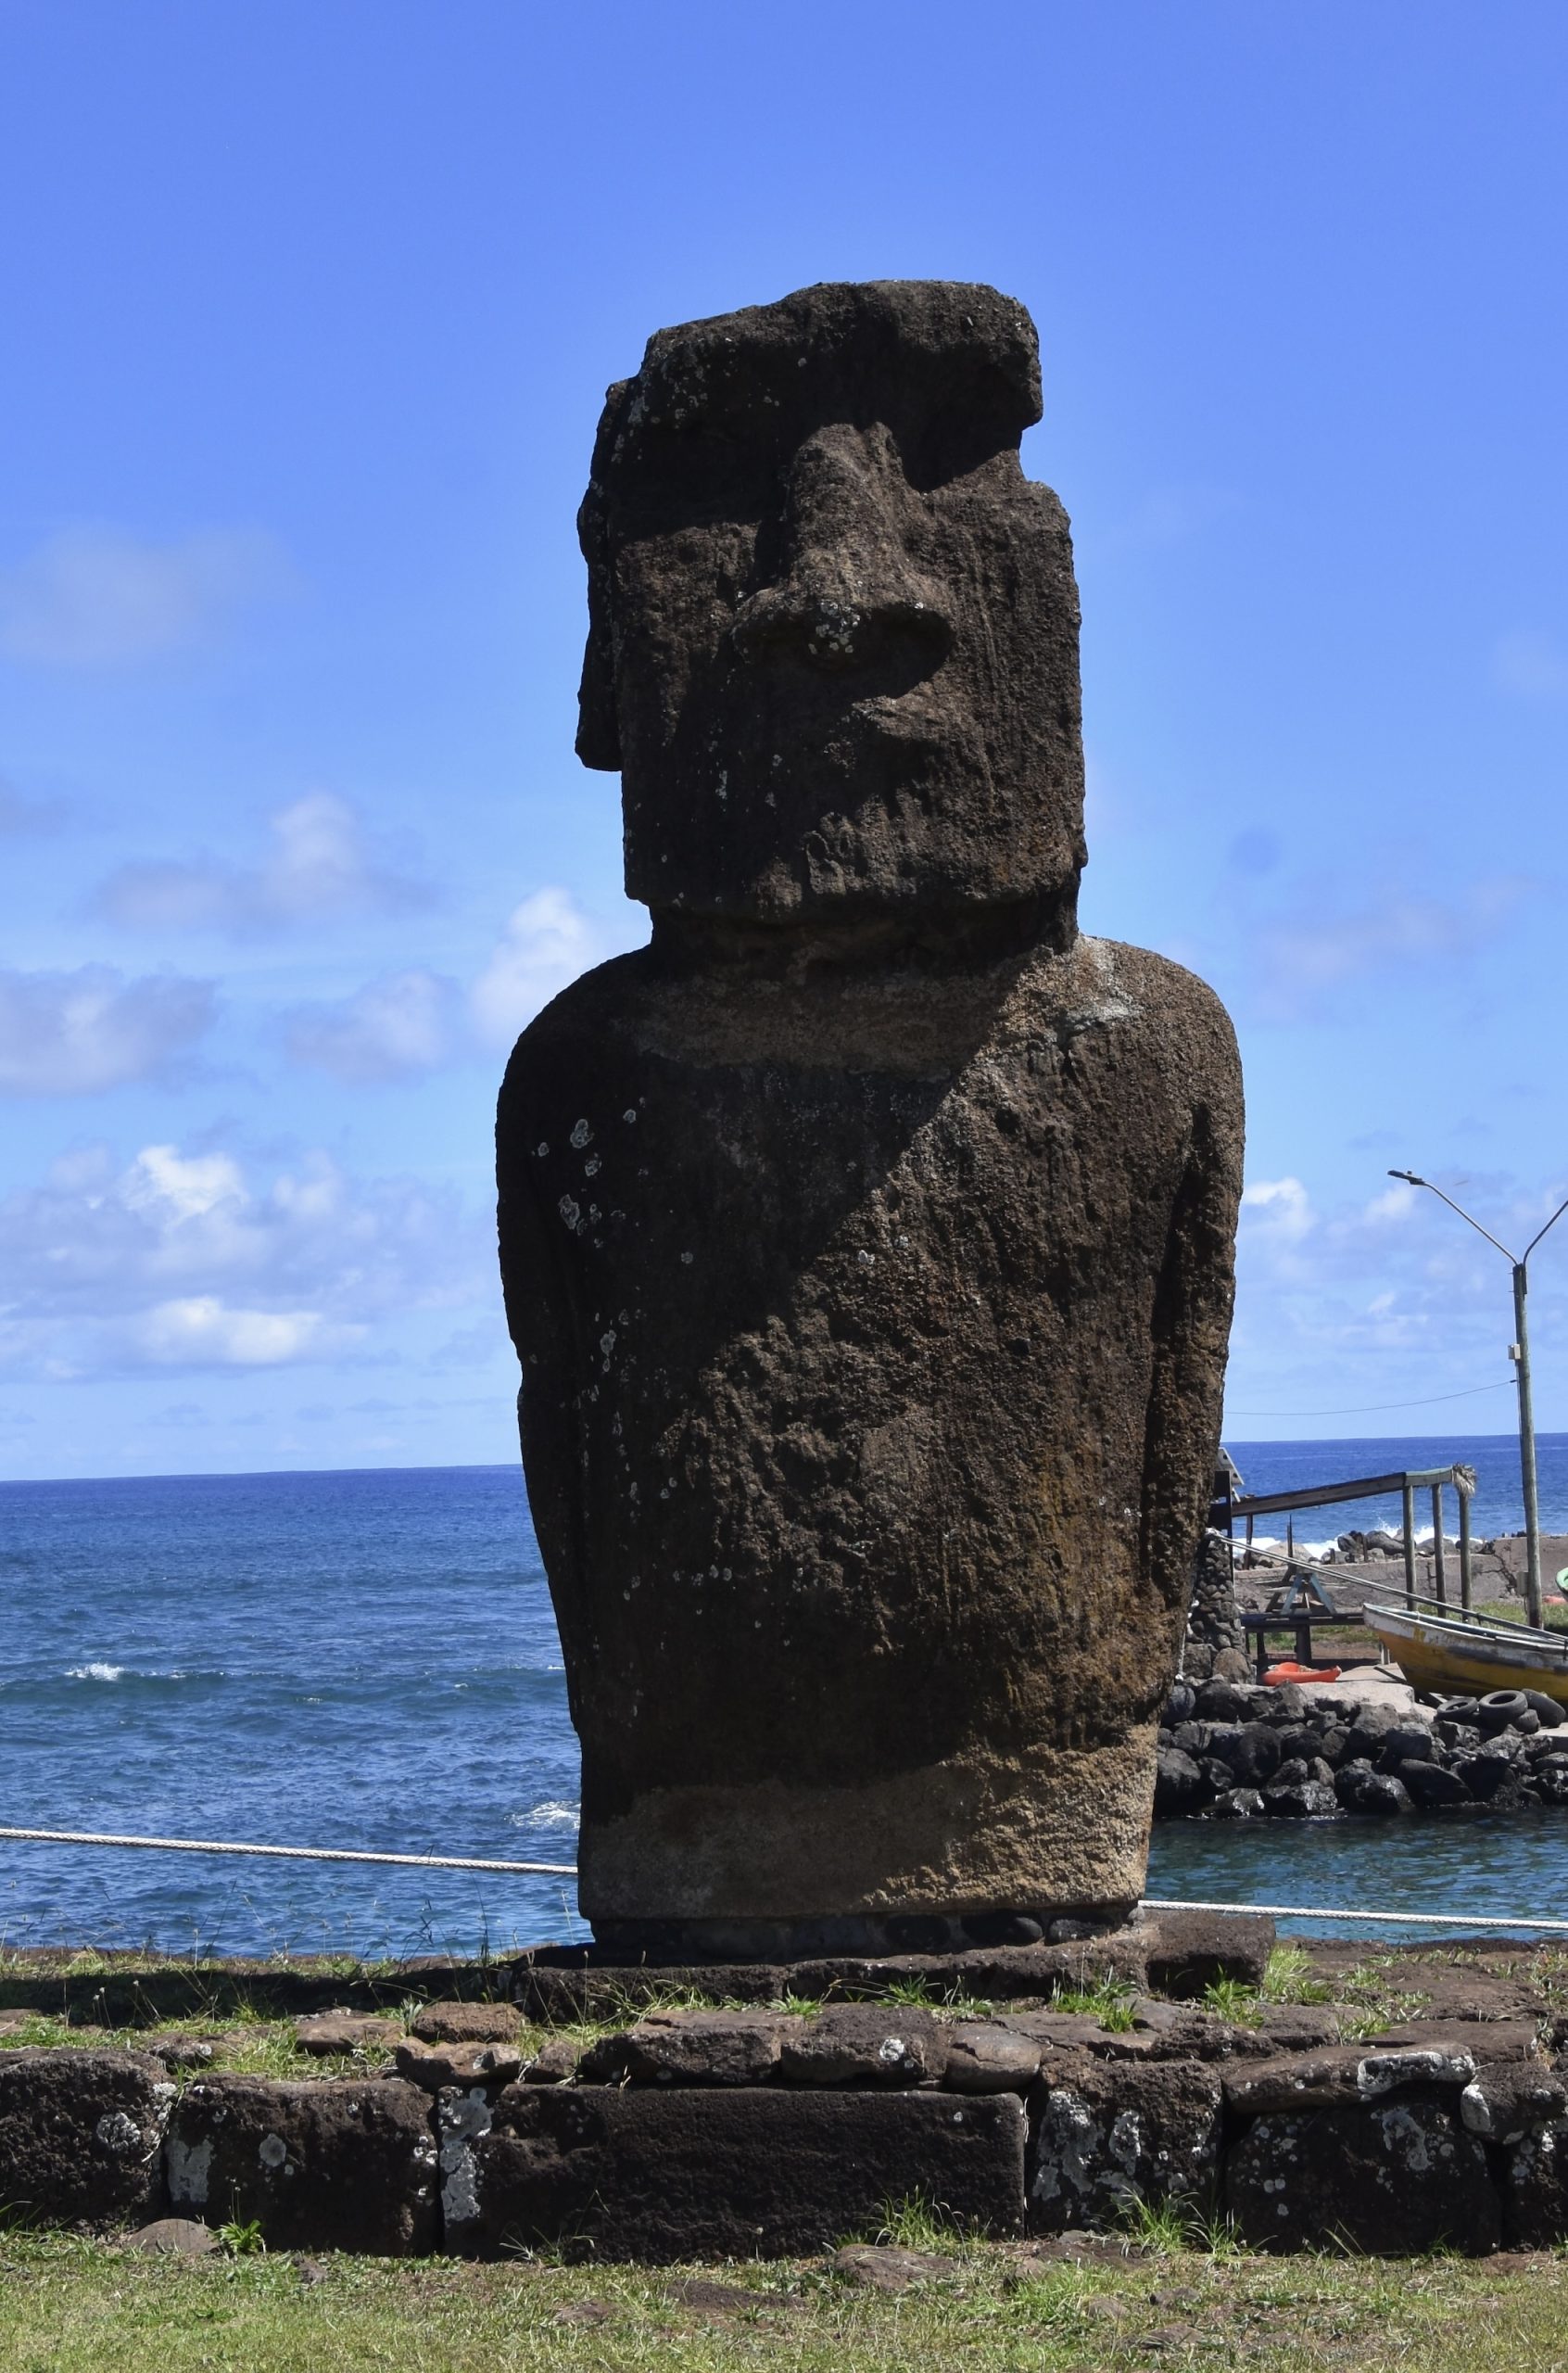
(868, 1237)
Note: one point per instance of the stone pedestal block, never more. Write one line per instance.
(319, 2166)
(661, 2176)
(1395, 2180)
(79, 2136)
(1108, 2133)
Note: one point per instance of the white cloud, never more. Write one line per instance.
(1282, 1206)
(95, 596)
(547, 942)
(321, 863)
(390, 1029)
(180, 1258)
(202, 1332)
(73, 1033)
(1532, 664)
(1390, 1304)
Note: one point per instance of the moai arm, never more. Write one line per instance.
(1192, 1314)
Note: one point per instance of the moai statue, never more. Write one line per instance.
(867, 1237)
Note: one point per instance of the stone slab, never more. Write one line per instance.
(1393, 2178)
(342, 2165)
(78, 2136)
(1109, 2133)
(657, 2175)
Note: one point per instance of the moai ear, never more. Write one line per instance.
(599, 733)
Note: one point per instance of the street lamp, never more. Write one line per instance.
(1519, 1352)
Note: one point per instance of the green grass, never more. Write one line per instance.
(1230, 1999)
(1288, 1977)
(1110, 2001)
(72, 2306)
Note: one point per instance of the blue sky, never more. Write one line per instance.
(310, 310)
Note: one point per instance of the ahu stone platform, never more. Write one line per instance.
(1404, 2100)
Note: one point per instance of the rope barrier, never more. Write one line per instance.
(1395, 1919)
(569, 1871)
(291, 1853)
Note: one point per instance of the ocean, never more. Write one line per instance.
(368, 1659)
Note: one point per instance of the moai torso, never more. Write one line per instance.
(867, 1239)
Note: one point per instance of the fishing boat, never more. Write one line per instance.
(1442, 1648)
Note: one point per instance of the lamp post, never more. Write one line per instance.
(1519, 1352)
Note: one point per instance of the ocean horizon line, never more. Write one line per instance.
(506, 1467)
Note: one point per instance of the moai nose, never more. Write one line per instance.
(847, 589)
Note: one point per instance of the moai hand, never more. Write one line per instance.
(867, 1239)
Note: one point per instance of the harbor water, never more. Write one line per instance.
(368, 1659)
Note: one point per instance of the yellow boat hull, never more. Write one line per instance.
(1464, 1659)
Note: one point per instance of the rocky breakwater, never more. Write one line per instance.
(1228, 1752)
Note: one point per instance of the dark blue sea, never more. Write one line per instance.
(368, 1659)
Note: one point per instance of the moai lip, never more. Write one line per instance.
(867, 1239)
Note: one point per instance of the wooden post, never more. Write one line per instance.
(1409, 1496)
(1439, 1571)
(1464, 1550)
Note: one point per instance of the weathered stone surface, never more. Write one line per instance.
(323, 2167)
(560, 1985)
(867, 1239)
(1189, 1951)
(555, 2063)
(339, 2031)
(1534, 2188)
(467, 2022)
(883, 2266)
(434, 2065)
(174, 2237)
(1325, 2078)
(864, 2044)
(986, 2057)
(1118, 2132)
(1394, 2179)
(78, 2136)
(1511, 2100)
(657, 2175)
(690, 2048)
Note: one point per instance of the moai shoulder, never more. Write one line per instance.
(868, 1237)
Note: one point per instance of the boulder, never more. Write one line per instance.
(1361, 1790)
(665, 2175)
(317, 2166)
(1302, 1800)
(1251, 1752)
(1392, 2179)
(1433, 1787)
(1236, 1804)
(78, 2136)
(1117, 2133)
(1180, 1785)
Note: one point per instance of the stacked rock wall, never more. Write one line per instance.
(1442, 2121)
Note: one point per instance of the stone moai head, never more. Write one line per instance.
(833, 628)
